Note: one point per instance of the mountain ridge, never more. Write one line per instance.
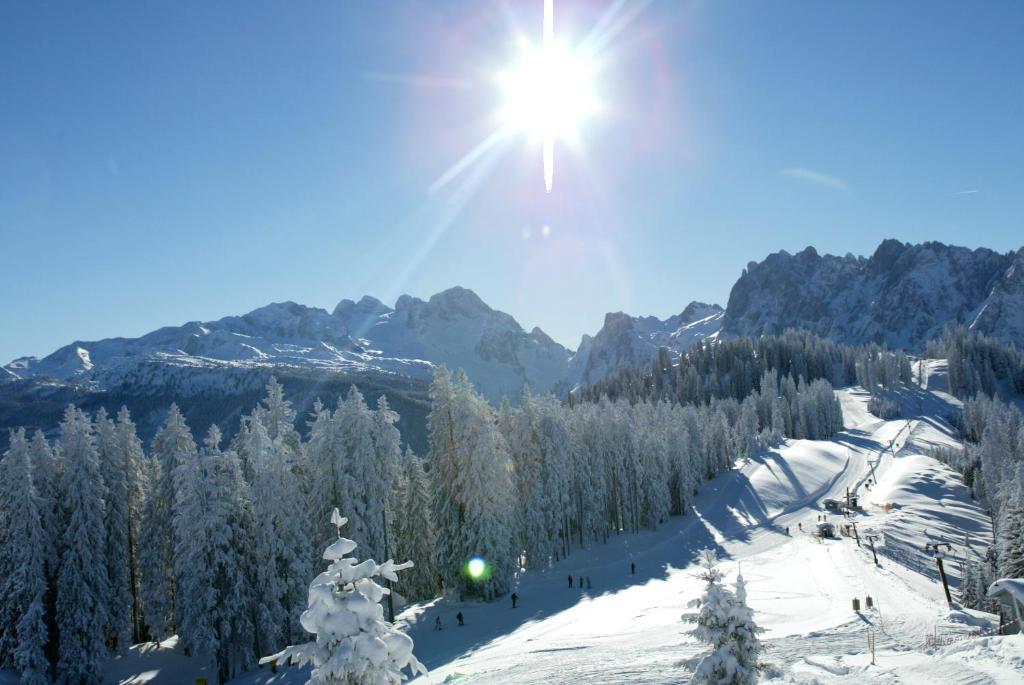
(902, 295)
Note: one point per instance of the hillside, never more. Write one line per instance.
(626, 627)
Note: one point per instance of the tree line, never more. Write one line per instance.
(979, 364)
(773, 365)
(992, 465)
(104, 544)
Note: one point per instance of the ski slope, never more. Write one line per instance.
(626, 628)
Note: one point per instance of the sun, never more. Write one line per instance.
(547, 93)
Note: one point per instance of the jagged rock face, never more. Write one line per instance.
(903, 295)
(631, 341)
(1002, 314)
(454, 327)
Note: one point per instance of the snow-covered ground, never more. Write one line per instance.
(625, 628)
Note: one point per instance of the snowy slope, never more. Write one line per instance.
(634, 341)
(453, 327)
(626, 628)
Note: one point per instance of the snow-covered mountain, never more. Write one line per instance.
(453, 327)
(903, 295)
(634, 340)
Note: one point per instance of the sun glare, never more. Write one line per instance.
(547, 93)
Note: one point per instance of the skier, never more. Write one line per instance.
(787, 530)
(458, 617)
(515, 598)
(437, 623)
(570, 581)
(800, 526)
(632, 568)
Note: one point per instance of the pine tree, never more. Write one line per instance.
(725, 623)
(355, 421)
(328, 487)
(281, 554)
(747, 647)
(229, 530)
(445, 466)
(45, 476)
(152, 570)
(414, 538)
(172, 446)
(1011, 531)
(381, 476)
(354, 643)
(484, 493)
(82, 584)
(116, 496)
(23, 546)
(193, 568)
(132, 461)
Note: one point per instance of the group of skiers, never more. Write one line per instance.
(462, 619)
(584, 582)
(458, 617)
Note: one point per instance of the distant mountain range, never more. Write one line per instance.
(903, 296)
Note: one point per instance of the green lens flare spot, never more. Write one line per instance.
(478, 569)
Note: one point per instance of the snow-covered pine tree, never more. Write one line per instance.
(229, 526)
(327, 487)
(484, 492)
(193, 570)
(82, 585)
(655, 497)
(445, 465)
(969, 585)
(555, 447)
(172, 445)
(354, 643)
(116, 552)
(380, 481)
(1011, 529)
(277, 416)
(747, 646)
(154, 600)
(356, 424)
(472, 486)
(132, 460)
(23, 545)
(725, 624)
(45, 476)
(532, 506)
(414, 531)
(282, 548)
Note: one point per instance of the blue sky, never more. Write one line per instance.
(164, 162)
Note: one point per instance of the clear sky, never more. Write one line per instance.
(170, 161)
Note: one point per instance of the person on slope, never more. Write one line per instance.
(515, 598)
(460, 619)
(570, 581)
(437, 623)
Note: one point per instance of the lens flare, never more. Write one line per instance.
(476, 568)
